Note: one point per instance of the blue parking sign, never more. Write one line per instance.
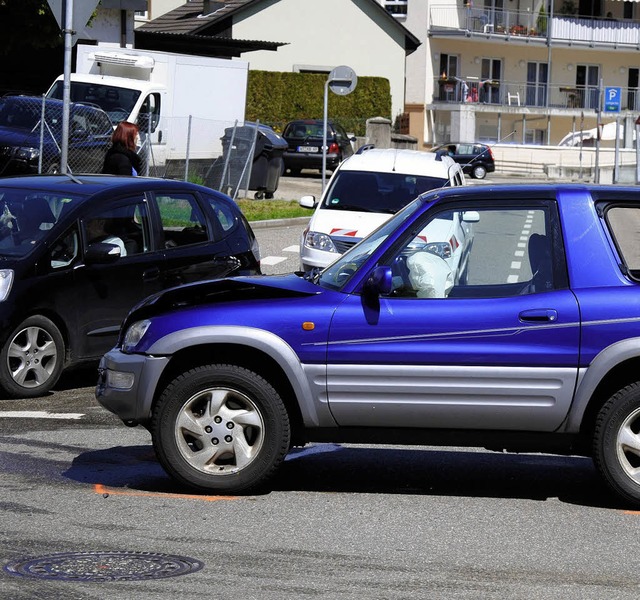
(612, 99)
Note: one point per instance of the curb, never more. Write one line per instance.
(279, 222)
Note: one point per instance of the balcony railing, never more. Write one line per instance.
(460, 20)
(471, 90)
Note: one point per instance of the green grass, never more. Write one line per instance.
(264, 210)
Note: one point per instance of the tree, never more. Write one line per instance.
(27, 23)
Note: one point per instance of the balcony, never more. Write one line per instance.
(490, 95)
(524, 26)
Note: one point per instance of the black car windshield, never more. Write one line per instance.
(338, 273)
(27, 215)
(365, 191)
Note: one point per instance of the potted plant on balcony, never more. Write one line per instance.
(541, 21)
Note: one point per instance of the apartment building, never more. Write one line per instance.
(523, 71)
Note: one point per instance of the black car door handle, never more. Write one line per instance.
(151, 274)
(539, 314)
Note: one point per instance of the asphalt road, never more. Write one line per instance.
(339, 522)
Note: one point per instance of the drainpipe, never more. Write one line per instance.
(123, 28)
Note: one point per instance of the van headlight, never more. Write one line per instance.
(6, 281)
(319, 241)
(134, 334)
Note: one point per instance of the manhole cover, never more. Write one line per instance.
(103, 566)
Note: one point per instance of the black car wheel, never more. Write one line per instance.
(32, 358)
(220, 428)
(479, 172)
(52, 168)
(616, 443)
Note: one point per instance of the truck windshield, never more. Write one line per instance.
(117, 102)
(367, 191)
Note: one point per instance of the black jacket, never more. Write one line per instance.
(119, 161)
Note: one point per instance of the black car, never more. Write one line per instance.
(31, 144)
(76, 253)
(304, 139)
(476, 159)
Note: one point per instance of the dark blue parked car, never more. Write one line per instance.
(77, 253)
(532, 344)
(29, 144)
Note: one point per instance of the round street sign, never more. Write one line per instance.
(342, 80)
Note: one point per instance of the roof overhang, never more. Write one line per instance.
(199, 45)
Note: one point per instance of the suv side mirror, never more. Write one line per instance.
(380, 282)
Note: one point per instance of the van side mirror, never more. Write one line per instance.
(308, 202)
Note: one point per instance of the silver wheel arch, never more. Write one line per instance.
(314, 413)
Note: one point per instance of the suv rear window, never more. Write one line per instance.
(377, 192)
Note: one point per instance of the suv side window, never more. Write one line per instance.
(182, 220)
(476, 253)
(624, 224)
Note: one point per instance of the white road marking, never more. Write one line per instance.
(513, 278)
(291, 249)
(516, 265)
(272, 260)
(38, 414)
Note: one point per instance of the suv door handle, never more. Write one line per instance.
(151, 274)
(539, 314)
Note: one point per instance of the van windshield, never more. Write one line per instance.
(365, 191)
(117, 102)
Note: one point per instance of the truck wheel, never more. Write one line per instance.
(32, 358)
(616, 443)
(220, 428)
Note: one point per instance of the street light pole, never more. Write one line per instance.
(66, 84)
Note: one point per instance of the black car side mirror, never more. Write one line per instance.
(101, 253)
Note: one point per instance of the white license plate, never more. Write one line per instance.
(308, 149)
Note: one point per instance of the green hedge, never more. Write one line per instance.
(275, 98)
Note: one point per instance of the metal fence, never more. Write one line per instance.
(33, 142)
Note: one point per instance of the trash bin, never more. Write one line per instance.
(229, 172)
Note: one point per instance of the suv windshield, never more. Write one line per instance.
(26, 216)
(366, 191)
(338, 273)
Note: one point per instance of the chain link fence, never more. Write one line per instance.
(32, 136)
(233, 158)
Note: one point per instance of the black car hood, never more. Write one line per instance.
(233, 289)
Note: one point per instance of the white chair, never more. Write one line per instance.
(513, 97)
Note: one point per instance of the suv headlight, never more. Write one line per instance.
(6, 281)
(27, 153)
(134, 334)
(319, 241)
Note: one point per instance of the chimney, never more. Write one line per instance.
(206, 7)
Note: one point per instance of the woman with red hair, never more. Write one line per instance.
(121, 157)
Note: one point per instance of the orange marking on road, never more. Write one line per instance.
(631, 512)
(98, 488)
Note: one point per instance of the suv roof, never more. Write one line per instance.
(409, 162)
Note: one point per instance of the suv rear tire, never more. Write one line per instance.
(616, 443)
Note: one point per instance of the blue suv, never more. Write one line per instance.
(530, 342)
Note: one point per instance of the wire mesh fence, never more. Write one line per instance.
(32, 132)
(231, 157)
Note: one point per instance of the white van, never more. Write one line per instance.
(364, 192)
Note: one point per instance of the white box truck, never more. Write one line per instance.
(160, 91)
